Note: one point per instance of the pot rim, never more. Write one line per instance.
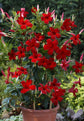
(42, 110)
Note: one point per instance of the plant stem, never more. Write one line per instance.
(54, 56)
(53, 76)
(46, 75)
(34, 95)
(50, 105)
(50, 100)
(34, 105)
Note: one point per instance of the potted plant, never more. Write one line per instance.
(41, 51)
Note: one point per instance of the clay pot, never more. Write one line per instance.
(39, 115)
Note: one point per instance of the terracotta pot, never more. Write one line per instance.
(39, 115)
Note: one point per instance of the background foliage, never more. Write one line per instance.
(77, 102)
(4, 64)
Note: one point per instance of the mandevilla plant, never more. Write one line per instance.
(42, 52)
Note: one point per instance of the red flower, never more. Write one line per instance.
(34, 10)
(75, 39)
(39, 37)
(21, 52)
(35, 57)
(63, 52)
(51, 46)
(50, 64)
(78, 82)
(27, 86)
(16, 74)
(68, 25)
(47, 63)
(22, 13)
(56, 96)
(32, 44)
(65, 64)
(78, 67)
(42, 61)
(12, 55)
(22, 70)
(44, 89)
(46, 17)
(54, 33)
(73, 90)
(54, 84)
(24, 23)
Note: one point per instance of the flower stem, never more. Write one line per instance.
(50, 105)
(34, 105)
(50, 100)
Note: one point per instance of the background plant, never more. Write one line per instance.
(76, 103)
(4, 63)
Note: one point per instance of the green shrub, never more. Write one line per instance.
(78, 102)
(14, 118)
(4, 64)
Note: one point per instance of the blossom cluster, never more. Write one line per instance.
(44, 49)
